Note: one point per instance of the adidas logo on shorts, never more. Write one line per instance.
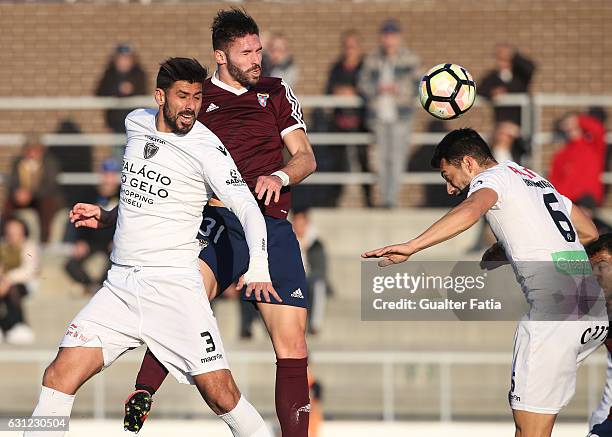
(211, 107)
(297, 294)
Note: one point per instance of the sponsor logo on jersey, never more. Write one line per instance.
(263, 99)
(235, 179)
(213, 358)
(297, 294)
(150, 150)
(211, 107)
(221, 149)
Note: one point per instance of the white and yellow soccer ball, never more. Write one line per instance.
(447, 91)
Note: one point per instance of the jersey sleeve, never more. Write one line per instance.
(289, 117)
(493, 180)
(224, 179)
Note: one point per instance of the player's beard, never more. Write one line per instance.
(172, 121)
(240, 76)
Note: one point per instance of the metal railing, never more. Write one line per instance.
(386, 360)
(531, 116)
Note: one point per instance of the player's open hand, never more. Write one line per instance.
(395, 254)
(269, 186)
(262, 289)
(493, 257)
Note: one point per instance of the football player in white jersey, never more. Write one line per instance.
(154, 293)
(600, 255)
(535, 226)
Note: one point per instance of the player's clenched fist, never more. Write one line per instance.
(268, 186)
(86, 215)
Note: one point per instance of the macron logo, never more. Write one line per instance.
(211, 107)
(297, 294)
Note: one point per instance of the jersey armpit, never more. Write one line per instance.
(289, 112)
(492, 178)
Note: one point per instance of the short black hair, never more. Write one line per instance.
(459, 143)
(603, 243)
(231, 24)
(175, 69)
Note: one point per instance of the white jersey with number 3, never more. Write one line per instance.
(166, 180)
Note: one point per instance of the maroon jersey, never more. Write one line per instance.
(251, 124)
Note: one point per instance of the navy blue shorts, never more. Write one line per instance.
(226, 252)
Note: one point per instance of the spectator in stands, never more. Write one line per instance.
(577, 168)
(342, 81)
(315, 264)
(512, 74)
(33, 184)
(388, 81)
(279, 60)
(19, 261)
(123, 77)
(507, 144)
(72, 159)
(91, 241)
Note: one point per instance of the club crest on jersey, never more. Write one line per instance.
(150, 150)
(263, 99)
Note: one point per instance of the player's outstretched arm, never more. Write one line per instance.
(87, 215)
(587, 231)
(457, 220)
(301, 165)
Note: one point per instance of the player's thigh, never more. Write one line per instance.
(287, 327)
(72, 367)
(210, 282)
(530, 424)
(546, 358)
(179, 326)
(218, 389)
(224, 249)
(285, 263)
(109, 321)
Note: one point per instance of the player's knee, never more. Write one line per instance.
(52, 378)
(291, 345)
(224, 401)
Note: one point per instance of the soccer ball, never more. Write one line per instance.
(447, 91)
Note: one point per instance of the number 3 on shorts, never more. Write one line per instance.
(209, 341)
(210, 224)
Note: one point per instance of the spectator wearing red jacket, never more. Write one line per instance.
(577, 168)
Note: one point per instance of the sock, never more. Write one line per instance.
(151, 374)
(292, 398)
(51, 403)
(245, 421)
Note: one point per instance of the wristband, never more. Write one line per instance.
(283, 176)
(258, 270)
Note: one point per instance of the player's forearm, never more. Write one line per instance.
(300, 166)
(109, 218)
(456, 221)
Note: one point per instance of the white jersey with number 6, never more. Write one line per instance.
(166, 180)
(530, 218)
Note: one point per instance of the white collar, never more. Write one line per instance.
(238, 91)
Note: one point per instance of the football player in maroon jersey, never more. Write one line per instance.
(255, 117)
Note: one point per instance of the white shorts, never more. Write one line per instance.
(164, 307)
(546, 356)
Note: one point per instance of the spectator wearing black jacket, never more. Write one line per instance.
(123, 77)
(513, 74)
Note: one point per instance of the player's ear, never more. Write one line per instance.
(160, 97)
(220, 57)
